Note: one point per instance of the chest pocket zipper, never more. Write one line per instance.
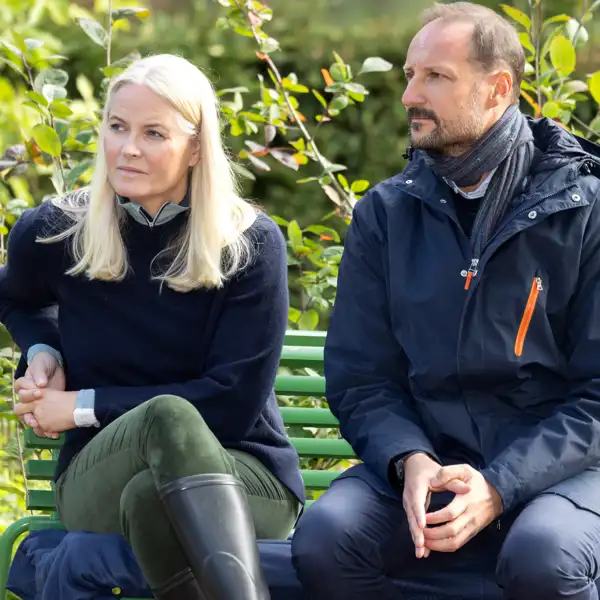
(536, 288)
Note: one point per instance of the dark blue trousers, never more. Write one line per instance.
(354, 544)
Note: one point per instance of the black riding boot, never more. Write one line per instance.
(181, 587)
(211, 518)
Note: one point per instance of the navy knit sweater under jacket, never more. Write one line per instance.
(131, 340)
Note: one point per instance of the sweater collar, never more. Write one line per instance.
(167, 212)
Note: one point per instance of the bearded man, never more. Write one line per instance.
(463, 356)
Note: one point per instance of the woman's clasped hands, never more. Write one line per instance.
(43, 404)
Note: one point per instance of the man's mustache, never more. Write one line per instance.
(421, 113)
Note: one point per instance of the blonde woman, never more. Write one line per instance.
(172, 298)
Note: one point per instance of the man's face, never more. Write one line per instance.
(446, 95)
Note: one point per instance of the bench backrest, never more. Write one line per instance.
(312, 429)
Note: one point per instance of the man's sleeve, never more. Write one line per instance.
(366, 369)
(567, 442)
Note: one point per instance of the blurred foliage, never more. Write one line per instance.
(311, 105)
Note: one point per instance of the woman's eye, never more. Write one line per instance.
(115, 126)
(153, 133)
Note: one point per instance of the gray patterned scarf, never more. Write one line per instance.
(508, 145)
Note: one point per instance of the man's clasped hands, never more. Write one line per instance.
(475, 505)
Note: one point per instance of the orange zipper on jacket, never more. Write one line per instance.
(536, 288)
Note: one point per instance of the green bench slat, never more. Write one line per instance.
(296, 385)
(305, 338)
(40, 500)
(310, 417)
(40, 470)
(319, 448)
(319, 480)
(33, 442)
(301, 357)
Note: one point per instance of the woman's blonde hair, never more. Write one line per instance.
(212, 245)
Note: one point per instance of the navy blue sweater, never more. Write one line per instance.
(131, 341)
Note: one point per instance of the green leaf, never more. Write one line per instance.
(94, 31)
(551, 110)
(360, 185)
(37, 98)
(47, 139)
(60, 110)
(53, 92)
(517, 15)
(309, 320)
(40, 109)
(356, 88)
(576, 87)
(126, 13)
(52, 77)
(243, 172)
(594, 85)
(269, 45)
(233, 90)
(322, 230)
(337, 73)
(280, 220)
(562, 55)
(375, 64)
(556, 19)
(76, 172)
(293, 314)
(572, 29)
(261, 165)
(33, 44)
(294, 87)
(294, 234)
(320, 98)
(338, 104)
(525, 40)
(285, 159)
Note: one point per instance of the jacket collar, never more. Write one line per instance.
(562, 156)
(166, 212)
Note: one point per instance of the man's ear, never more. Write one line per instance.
(501, 84)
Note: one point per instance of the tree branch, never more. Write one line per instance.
(305, 133)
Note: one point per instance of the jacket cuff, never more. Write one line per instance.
(84, 414)
(506, 483)
(33, 350)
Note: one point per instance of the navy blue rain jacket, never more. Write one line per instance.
(503, 375)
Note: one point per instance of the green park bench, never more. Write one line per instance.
(303, 351)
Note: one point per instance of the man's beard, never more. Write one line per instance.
(446, 137)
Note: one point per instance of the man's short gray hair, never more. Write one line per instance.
(495, 41)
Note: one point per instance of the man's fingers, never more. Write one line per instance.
(426, 552)
(415, 531)
(457, 486)
(456, 508)
(449, 530)
(446, 474)
(453, 543)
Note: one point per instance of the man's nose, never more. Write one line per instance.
(413, 95)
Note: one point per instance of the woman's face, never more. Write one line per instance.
(147, 152)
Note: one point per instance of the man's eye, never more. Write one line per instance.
(434, 75)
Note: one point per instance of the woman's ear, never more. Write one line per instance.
(195, 152)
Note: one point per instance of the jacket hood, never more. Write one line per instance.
(559, 148)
